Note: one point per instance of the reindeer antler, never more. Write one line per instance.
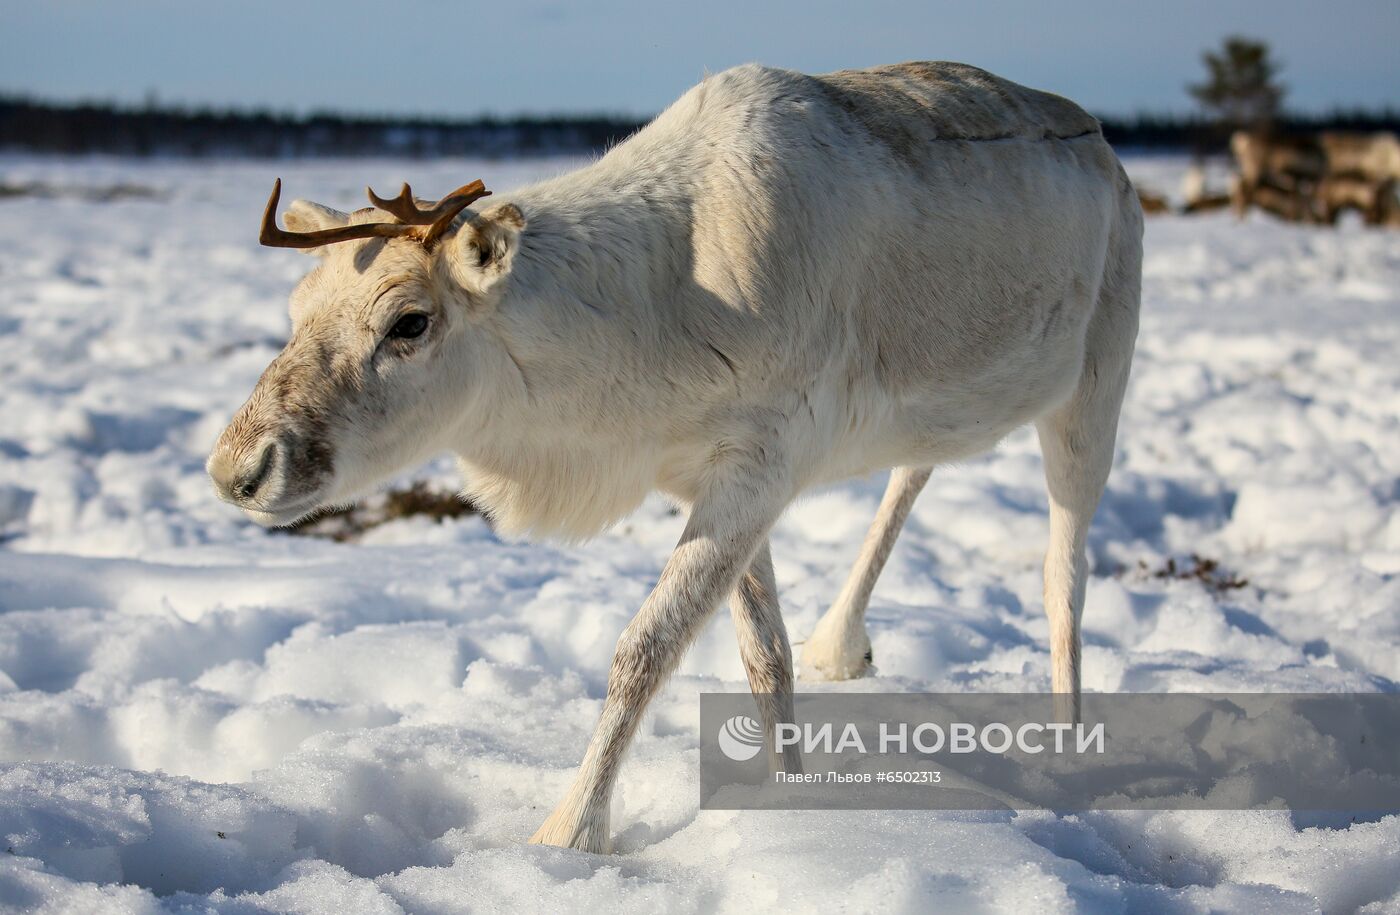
(425, 225)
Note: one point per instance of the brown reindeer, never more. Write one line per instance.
(1362, 172)
(1315, 178)
(1276, 174)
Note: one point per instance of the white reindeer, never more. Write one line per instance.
(783, 281)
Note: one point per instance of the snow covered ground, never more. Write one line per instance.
(198, 715)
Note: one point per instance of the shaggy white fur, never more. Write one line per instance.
(784, 280)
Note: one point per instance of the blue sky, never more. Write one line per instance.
(618, 56)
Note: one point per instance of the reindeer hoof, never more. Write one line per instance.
(564, 831)
(831, 659)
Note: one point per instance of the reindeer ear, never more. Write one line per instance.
(305, 216)
(485, 247)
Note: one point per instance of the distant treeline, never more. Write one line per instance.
(1199, 135)
(44, 127)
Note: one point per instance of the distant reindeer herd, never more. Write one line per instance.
(1310, 178)
(1314, 178)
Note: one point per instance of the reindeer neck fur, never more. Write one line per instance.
(558, 452)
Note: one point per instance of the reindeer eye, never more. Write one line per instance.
(409, 326)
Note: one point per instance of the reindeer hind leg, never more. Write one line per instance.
(839, 648)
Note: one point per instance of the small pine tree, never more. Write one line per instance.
(1241, 89)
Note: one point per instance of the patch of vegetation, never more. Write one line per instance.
(1206, 571)
(418, 500)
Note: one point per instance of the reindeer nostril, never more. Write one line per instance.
(251, 482)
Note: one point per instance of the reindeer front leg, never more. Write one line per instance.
(763, 646)
(725, 530)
